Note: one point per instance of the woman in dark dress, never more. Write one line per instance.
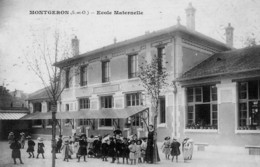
(82, 147)
(30, 148)
(16, 153)
(40, 149)
(149, 155)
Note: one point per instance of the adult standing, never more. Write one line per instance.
(149, 155)
(16, 153)
(22, 139)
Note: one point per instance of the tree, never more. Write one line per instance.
(40, 59)
(154, 79)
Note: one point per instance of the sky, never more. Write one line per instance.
(19, 28)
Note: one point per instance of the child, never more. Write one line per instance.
(76, 146)
(71, 148)
(30, 148)
(90, 146)
(40, 149)
(187, 149)
(59, 143)
(125, 150)
(16, 153)
(112, 149)
(82, 147)
(138, 151)
(11, 137)
(143, 149)
(22, 140)
(118, 148)
(132, 148)
(167, 147)
(104, 149)
(175, 149)
(66, 150)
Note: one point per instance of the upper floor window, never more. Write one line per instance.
(161, 57)
(37, 107)
(202, 110)
(67, 107)
(84, 103)
(132, 66)
(134, 99)
(105, 71)
(249, 105)
(162, 110)
(83, 76)
(67, 78)
(106, 101)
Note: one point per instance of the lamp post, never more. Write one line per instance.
(53, 141)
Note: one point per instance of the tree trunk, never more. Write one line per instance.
(155, 139)
(54, 110)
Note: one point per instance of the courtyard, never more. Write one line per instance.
(214, 156)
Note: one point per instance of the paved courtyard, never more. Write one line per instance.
(212, 156)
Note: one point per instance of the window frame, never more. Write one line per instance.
(67, 78)
(245, 124)
(133, 98)
(191, 105)
(132, 65)
(105, 71)
(83, 75)
(84, 103)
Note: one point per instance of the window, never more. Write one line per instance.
(136, 120)
(67, 78)
(105, 122)
(84, 103)
(162, 111)
(132, 66)
(106, 102)
(202, 110)
(84, 122)
(67, 107)
(83, 76)
(37, 107)
(105, 71)
(133, 99)
(161, 56)
(249, 105)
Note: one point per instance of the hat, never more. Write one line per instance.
(11, 133)
(21, 133)
(28, 137)
(40, 140)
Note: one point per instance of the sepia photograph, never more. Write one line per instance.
(130, 82)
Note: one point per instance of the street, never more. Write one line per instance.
(213, 156)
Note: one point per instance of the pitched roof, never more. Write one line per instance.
(229, 62)
(176, 28)
(39, 94)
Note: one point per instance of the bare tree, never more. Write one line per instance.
(154, 79)
(40, 59)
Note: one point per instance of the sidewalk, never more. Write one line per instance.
(212, 156)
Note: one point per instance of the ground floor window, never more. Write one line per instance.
(85, 122)
(84, 103)
(105, 122)
(202, 109)
(249, 105)
(37, 122)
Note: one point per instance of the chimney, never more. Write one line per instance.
(75, 46)
(190, 17)
(229, 35)
(115, 40)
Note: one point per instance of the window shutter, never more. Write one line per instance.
(129, 67)
(103, 71)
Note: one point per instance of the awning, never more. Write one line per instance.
(11, 116)
(108, 113)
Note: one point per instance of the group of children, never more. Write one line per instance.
(173, 148)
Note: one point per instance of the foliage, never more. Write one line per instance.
(41, 56)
